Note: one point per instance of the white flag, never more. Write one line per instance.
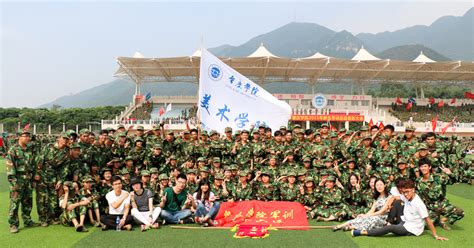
(168, 108)
(229, 99)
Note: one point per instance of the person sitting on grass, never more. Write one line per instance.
(143, 211)
(415, 215)
(119, 206)
(72, 207)
(176, 203)
(207, 206)
(89, 192)
(377, 215)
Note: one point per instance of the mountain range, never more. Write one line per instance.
(448, 38)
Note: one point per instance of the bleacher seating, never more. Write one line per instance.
(427, 113)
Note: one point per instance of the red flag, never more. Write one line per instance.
(409, 105)
(252, 231)
(398, 101)
(441, 104)
(453, 101)
(371, 123)
(431, 101)
(447, 126)
(469, 95)
(434, 122)
(275, 213)
(162, 111)
(27, 126)
(381, 125)
(187, 125)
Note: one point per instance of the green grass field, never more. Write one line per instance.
(461, 235)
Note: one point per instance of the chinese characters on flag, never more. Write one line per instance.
(276, 213)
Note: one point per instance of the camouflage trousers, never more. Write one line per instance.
(47, 202)
(20, 193)
(446, 209)
(66, 216)
(338, 211)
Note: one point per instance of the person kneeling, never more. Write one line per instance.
(142, 206)
(415, 214)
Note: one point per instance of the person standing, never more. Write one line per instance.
(19, 168)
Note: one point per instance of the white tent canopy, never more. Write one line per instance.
(423, 59)
(264, 67)
(364, 55)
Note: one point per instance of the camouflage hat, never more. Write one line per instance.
(238, 132)
(331, 178)
(234, 167)
(227, 168)
(105, 169)
(243, 173)
(67, 183)
(139, 139)
(71, 132)
(191, 171)
(351, 159)
(289, 152)
(333, 135)
(245, 131)
(75, 145)
(349, 132)
(342, 130)
(384, 137)
(163, 177)
(306, 159)
(145, 173)
(422, 146)
(157, 146)
(309, 179)
(228, 129)
(317, 133)
(156, 128)
(401, 161)
(367, 136)
(325, 125)
(128, 158)
(122, 134)
(204, 132)
(216, 160)
(205, 169)
(364, 128)
(219, 176)
(87, 179)
(301, 171)
(410, 129)
(154, 170)
(297, 126)
(171, 133)
(84, 131)
(64, 135)
(186, 132)
(262, 125)
(327, 159)
(140, 128)
(124, 171)
(213, 132)
(120, 126)
(291, 173)
(172, 157)
(201, 159)
(116, 160)
(282, 127)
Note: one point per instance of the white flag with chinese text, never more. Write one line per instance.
(229, 99)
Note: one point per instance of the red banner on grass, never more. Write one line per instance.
(275, 213)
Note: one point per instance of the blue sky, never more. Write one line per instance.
(51, 49)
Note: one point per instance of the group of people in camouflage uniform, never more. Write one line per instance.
(332, 173)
